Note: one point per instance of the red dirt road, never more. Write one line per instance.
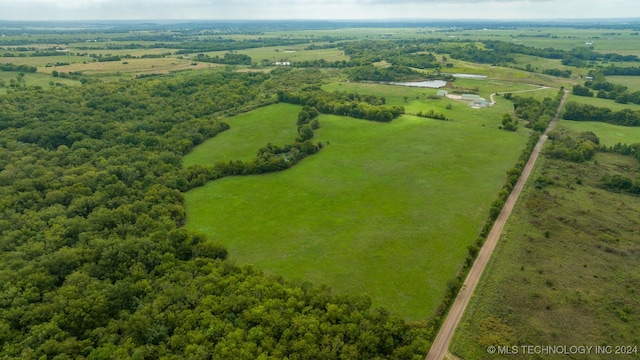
(443, 339)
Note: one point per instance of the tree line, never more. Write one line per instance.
(586, 112)
(353, 105)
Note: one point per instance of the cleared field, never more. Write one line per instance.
(631, 82)
(275, 124)
(34, 79)
(42, 61)
(132, 67)
(609, 134)
(565, 271)
(288, 53)
(382, 210)
(605, 103)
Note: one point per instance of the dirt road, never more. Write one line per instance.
(443, 339)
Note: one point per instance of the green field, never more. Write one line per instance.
(565, 270)
(631, 82)
(605, 103)
(383, 210)
(609, 134)
(34, 79)
(274, 124)
(419, 99)
(288, 53)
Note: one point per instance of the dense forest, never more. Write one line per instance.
(94, 262)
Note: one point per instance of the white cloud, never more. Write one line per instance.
(313, 9)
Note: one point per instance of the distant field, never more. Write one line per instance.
(384, 209)
(565, 271)
(632, 82)
(288, 53)
(132, 67)
(34, 79)
(274, 124)
(418, 98)
(606, 103)
(609, 134)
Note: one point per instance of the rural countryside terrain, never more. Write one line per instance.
(319, 190)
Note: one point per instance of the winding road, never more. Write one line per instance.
(440, 346)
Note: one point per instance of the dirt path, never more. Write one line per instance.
(443, 339)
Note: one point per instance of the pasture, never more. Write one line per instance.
(609, 134)
(423, 99)
(275, 124)
(384, 209)
(604, 103)
(34, 79)
(565, 270)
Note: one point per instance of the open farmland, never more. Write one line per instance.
(382, 210)
(609, 134)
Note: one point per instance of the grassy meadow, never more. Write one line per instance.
(565, 270)
(605, 103)
(384, 209)
(275, 124)
(609, 134)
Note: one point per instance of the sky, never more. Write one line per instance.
(314, 9)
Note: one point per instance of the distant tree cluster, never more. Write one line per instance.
(391, 73)
(407, 53)
(586, 112)
(509, 123)
(608, 90)
(228, 59)
(620, 70)
(431, 114)
(354, 105)
(618, 183)
(557, 72)
(538, 113)
(18, 68)
(564, 146)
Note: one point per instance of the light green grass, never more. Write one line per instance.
(288, 53)
(609, 134)
(605, 103)
(631, 82)
(418, 98)
(34, 79)
(385, 209)
(275, 124)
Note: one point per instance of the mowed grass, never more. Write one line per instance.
(275, 124)
(609, 134)
(565, 271)
(384, 209)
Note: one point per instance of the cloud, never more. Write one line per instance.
(313, 9)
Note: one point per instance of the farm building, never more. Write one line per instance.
(282, 63)
(470, 97)
(479, 103)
